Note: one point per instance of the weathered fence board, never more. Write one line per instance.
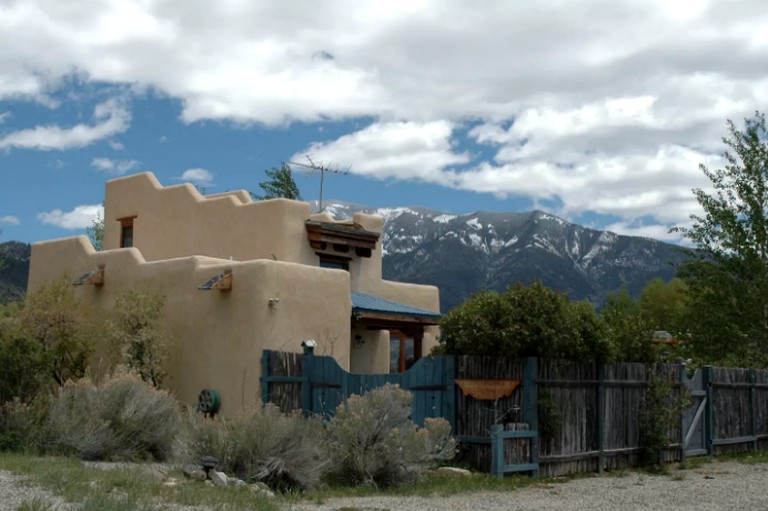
(586, 416)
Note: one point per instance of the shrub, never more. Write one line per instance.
(661, 413)
(373, 441)
(284, 451)
(122, 418)
(525, 321)
(22, 425)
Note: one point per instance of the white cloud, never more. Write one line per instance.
(79, 218)
(607, 105)
(117, 146)
(656, 231)
(9, 219)
(400, 150)
(115, 167)
(4, 116)
(198, 176)
(110, 117)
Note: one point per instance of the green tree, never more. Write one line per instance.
(139, 334)
(64, 327)
(728, 275)
(96, 232)
(280, 184)
(664, 304)
(524, 321)
(24, 363)
(629, 333)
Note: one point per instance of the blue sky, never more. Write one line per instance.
(596, 111)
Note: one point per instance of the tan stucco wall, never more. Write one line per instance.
(177, 221)
(219, 335)
(182, 238)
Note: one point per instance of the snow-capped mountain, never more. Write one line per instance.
(463, 254)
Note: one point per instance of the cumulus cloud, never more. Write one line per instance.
(400, 150)
(9, 219)
(115, 167)
(110, 117)
(79, 218)
(606, 105)
(198, 176)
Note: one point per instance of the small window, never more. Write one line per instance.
(334, 262)
(126, 231)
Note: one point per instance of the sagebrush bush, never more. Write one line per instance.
(122, 418)
(373, 441)
(285, 451)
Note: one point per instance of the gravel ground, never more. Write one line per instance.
(14, 491)
(714, 486)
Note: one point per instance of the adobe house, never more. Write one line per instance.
(243, 276)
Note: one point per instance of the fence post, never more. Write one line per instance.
(264, 375)
(709, 429)
(530, 404)
(600, 412)
(497, 450)
(753, 408)
(306, 384)
(449, 395)
(682, 378)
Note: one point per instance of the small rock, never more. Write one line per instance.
(171, 482)
(194, 472)
(237, 483)
(218, 478)
(261, 489)
(454, 471)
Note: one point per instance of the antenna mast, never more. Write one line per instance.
(312, 166)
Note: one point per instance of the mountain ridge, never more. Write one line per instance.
(468, 252)
(465, 253)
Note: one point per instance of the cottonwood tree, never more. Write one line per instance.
(728, 274)
(279, 185)
(139, 334)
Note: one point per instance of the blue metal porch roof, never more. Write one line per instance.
(362, 302)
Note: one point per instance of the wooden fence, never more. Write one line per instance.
(565, 418)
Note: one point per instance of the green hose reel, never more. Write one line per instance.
(208, 402)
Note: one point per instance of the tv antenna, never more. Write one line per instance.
(319, 167)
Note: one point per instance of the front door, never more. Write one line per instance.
(403, 351)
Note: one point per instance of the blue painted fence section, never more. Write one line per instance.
(430, 380)
(325, 385)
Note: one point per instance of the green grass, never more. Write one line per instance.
(124, 489)
(36, 504)
(745, 457)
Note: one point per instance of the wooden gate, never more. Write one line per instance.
(325, 385)
(694, 420)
